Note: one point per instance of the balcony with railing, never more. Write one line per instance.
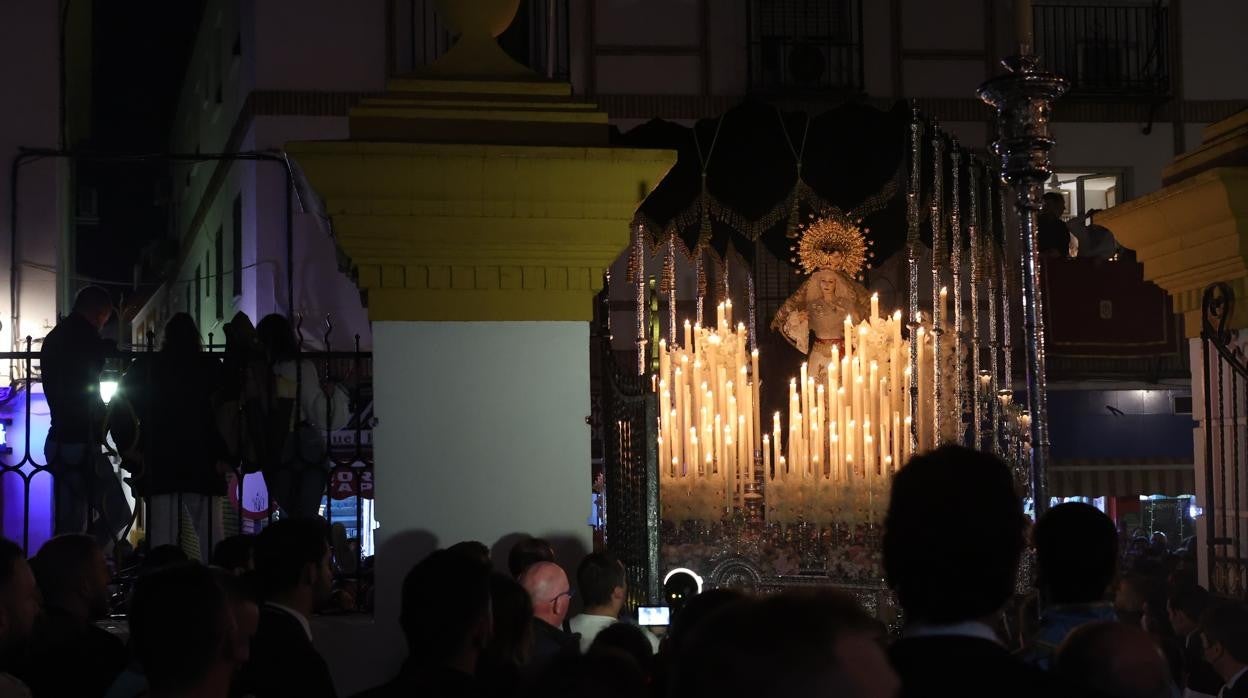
(805, 46)
(537, 38)
(1107, 50)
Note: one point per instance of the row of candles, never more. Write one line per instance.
(848, 424)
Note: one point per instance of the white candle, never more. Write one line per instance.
(875, 306)
(1023, 26)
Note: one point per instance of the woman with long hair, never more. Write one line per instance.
(177, 456)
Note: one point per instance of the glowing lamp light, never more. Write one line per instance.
(684, 570)
(108, 388)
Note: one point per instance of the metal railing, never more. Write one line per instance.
(1112, 50)
(1225, 387)
(537, 38)
(805, 45)
(28, 475)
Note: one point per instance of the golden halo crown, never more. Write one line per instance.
(833, 242)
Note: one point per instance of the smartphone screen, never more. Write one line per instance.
(653, 615)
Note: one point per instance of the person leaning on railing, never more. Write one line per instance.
(86, 491)
(301, 409)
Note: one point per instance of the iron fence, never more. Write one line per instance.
(631, 478)
(1111, 49)
(30, 512)
(1225, 387)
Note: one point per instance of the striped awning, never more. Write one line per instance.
(1109, 477)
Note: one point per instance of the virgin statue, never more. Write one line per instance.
(830, 250)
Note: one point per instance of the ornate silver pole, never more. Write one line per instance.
(955, 264)
(977, 278)
(1007, 336)
(638, 270)
(912, 258)
(1023, 99)
(939, 258)
(994, 341)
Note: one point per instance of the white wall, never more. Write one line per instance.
(1092, 145)
(481, 434)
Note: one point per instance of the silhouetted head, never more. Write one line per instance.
(953, 535)
(1054, 204)
(602, 583)
(95, 305)
(1187, 603)
(180, 627)
(1076, 553)
(292, 556)
(1224, 631)
(526, 552)
(445, 607)
(549, 591)
(19, 598)
(699, 608)
(235, 554)
(512, 640)
(277, 336)
(473, 549)
(73, 575)
(629, 639)
(791, 645)
(1114, 659)
(181, 336)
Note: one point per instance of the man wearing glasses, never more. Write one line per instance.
(1224, 632)
(551, 595)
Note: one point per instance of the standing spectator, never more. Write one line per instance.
(551, 596)
(795, 644)
(183, 633)
(526, 553)
(952, 539)
(19, 606)
(445, 616)
(1115, 660)
(73, 578)
(1076, 559)
(511, 644)
(1054, 239)
(603, 583)
(293, 567)
(301, 410)
(1225, 631)
(235, 555)
(1096, 241)
(1186, 605)
(87, 493)
(180, 454)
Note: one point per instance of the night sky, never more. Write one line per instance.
(141, 48)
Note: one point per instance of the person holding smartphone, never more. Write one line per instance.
(603, 585)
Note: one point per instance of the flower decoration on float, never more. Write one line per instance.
(833, 242)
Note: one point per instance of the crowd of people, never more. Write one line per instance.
(185, 423)
(953, 538)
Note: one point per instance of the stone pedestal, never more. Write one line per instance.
(478, 216)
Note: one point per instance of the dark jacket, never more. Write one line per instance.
(171, 395)
(70, 362)
(967, 666)
(1054, 236)
(1198, 675)
(283, 662)
(550, 643)
(68, 658)
(1239, 690)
